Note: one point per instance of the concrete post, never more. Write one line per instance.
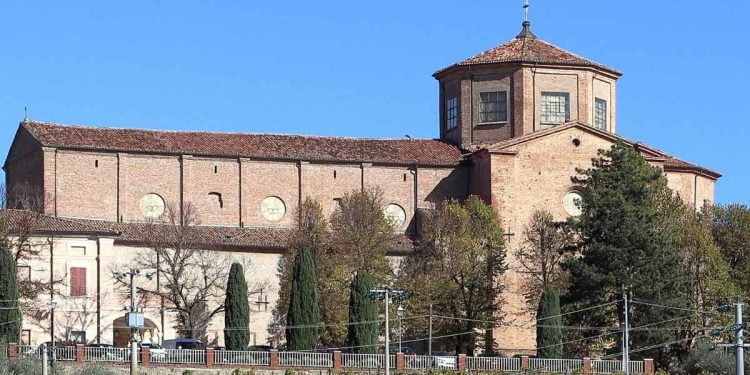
(79, 353)
(400, 365)
(525, 363)
(648, 366)
(586, 365)
(274, 360)
(461, 363)
(209, 357)
(337, 360)
(145, 356)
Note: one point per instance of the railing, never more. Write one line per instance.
(611, 366)
(493, 364)
(422, 362)
(366, 360)
(65, 353)
(558, 366)
(237, 357)
(301, 359)
(178, 356)
(29, 351)
(91, 354)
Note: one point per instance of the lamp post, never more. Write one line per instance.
(52, 305)
(399, 313)
(387, 293)
(133, 317)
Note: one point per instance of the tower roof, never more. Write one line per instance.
(527, 48)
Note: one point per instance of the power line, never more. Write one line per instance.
(679, 308)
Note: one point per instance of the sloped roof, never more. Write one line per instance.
(30, 222)
(526, 48)
(250, 145)
(670, 162)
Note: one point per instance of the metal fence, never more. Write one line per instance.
(302, 359)
(238, 357)
(29, 351)
(422, 362)
(559, 366)
(366, 360)
(91, 354)
(610, 366)
(65, 353)
(178, 356)
(493, 364)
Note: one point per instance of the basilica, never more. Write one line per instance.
(515, 122)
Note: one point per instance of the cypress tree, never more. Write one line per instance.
(304, 313)
(10, 315)
(548, 331)
(363, 338)
(236, 310)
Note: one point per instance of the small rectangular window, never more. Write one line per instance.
(555, 107)
(451, 113)
(600, 113)
(493, 106)
(77, 281)
(78, 337)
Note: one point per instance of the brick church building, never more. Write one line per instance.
(515, 122)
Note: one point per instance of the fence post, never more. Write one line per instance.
(12, 351)
(209, 357)
(145, 355)
(648, 366)
(337, 359)
(274, 360)
(79, 353)
(399, 361)
(461, 362)
(586, 365)
(524, 363)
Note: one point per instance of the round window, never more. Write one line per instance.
(272, 208)
(151, 205)
(395, 214)
(572, 203)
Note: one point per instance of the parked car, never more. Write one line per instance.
(107, 352)
(156, 351)
(260, 348)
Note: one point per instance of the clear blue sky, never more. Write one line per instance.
(356, 68)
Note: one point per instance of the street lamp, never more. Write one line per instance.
(52, 305)
(387, 293)
(400, 312)
(134, 318)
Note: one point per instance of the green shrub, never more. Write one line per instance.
(93, 369)
(238, 371)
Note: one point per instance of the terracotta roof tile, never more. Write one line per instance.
(529, 50)
(249, 145)
(677, 164)
(14, 221)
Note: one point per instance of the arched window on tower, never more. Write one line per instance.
(215, 200)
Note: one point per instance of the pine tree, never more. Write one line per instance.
(10, 315)
(626, 249)
(236, 310)
(548, 331)
(363, 337)
(303, 316)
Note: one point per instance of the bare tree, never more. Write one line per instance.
(19, 232)
(192, 280)
(541, 253)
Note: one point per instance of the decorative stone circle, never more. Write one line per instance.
(272, 208)
(571, 201)
(152, 206)
(395, 214)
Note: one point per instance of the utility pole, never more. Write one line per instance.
(429, 343)
(625, 336)
(53, 353)
(739, 339)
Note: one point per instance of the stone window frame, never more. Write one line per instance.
(600, 113)
(451, 113)
(554, 118)
(502, 107)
